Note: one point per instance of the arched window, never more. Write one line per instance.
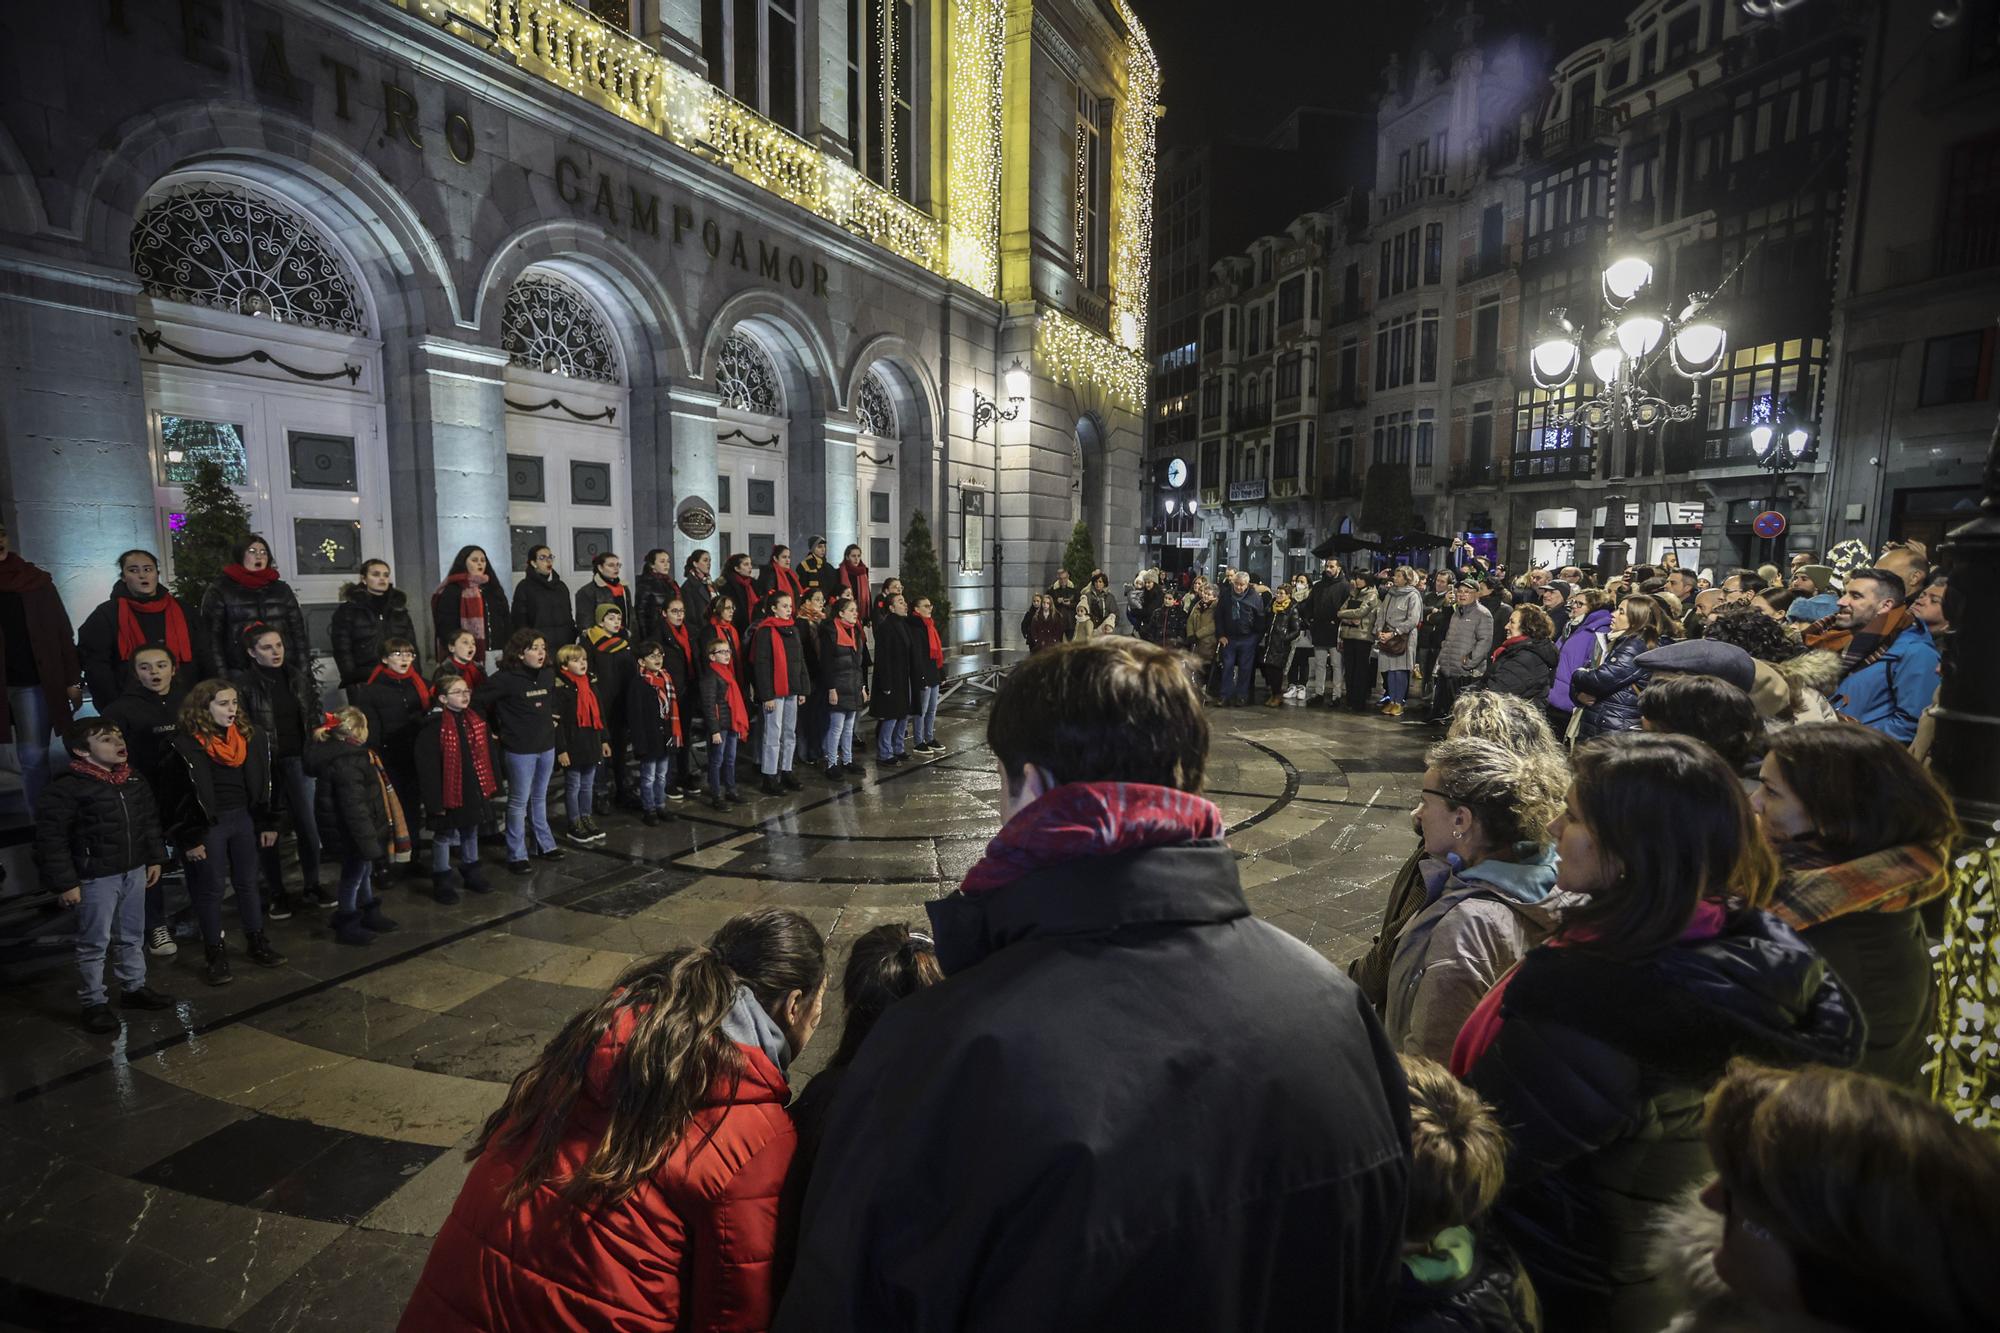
(874, 408)
(550, 326)
(216, 246)
(752, 50)
(746, 378)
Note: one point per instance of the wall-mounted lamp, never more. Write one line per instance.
(985, 411)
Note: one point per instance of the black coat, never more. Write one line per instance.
(681, 668)
(1129, 1105)
(1525, 670)
(649, 727)
(1321, 612)
(395, 716)
(87, 829)
(1615, 684)
(613, 665)
(924, 672)
(1495, 1297)
(106, 671)
(695, 597)
(840, 668)
(893, 693)
(360, 624)
(593, 595)
(347, 800)
(1598, 1073)
(228, 608)
(150, 722)
(254, 689)
(186, 789)
(447, 620)
(519, 702)
(543, 605)
(584, 745)
(716, 717)
(763, 663)
(650, 594)
(430, 774)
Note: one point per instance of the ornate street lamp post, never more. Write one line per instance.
(985, 411)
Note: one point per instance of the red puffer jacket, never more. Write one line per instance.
(691, 1249)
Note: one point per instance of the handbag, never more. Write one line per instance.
(1396, 644)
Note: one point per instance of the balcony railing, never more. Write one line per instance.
(1285, 488)
(1476, 474)
(1570, 135)
(1552, 465)
(1417, 190)
(1094, 310)
(1483, 265)
(1482, 366)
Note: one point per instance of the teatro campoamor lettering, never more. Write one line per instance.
(640, 213)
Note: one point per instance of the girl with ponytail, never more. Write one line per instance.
(633, 1174)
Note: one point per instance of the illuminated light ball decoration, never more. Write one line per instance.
(1132, 259)
(1965, 1073)
(1073, 354)
(972, 185)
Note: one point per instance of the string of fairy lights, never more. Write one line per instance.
(570, 48)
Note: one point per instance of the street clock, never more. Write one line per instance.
(1177, 472)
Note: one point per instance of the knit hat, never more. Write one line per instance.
(605, 609)
(1703, 657)
(1848, 555)
(1770, 691)
(1821, 576)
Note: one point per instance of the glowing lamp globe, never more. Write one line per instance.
(1017, 382)
(1607, 359)
(1797, 440)
(1624, 278)
(1760, 439)
(1640, 331)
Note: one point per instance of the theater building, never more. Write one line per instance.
(424, 273)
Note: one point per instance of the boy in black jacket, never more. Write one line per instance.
(611, 663)
(98, 844)
(653, 724)
(396, 699)
(727, 718)
(148, 712)
(582, 740)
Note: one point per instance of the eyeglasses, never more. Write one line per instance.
(1444, 796)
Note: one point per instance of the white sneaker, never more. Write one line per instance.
(160, 943)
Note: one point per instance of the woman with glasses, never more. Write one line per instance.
(542, 603)
(247, 593)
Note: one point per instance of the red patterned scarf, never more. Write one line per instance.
(1084, 819)
(471, 606)
(781, 673)
(452, 734)
(663, 688)
(936, 646)
(403, 678)
(115, 776)
(855, 579)
(739, 714)
(132, 635)
(588, 714)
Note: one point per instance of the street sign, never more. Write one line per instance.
(1768, 524)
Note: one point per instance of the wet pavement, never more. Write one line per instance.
(277, 1154)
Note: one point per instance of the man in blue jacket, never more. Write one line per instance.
(1890, 665)
(1239, 621)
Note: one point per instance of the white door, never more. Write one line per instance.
(876, 509)
(568, 478)
(752, 500)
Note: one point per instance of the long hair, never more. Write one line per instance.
(1886, 1206)
(194, 718)
(665, 1014)
(458, 561)
(1671, 816)
(646, 565)
(687, 565)
(1645, 617)
(885, 964)
(1863, 790)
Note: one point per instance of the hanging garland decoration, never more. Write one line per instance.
(608, 414)
(154, 340)
(765, 443)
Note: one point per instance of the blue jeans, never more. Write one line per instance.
(30, 708)
(653, 782)
(840, 737)
(926, 719)
(528, 798)
(111, 917)
(230, 850)
(1239, 661)
(444, 839)
(579, 789)
(781, 735)
(722, 765)
(290, 781)
(1398, 685)
(356, 878)
(890, 737)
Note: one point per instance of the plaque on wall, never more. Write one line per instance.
(695, 519)
(971, 530)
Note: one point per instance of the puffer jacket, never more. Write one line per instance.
(840, 668)
(347, 800)
(543, 604)
(650, 595)
(1573, 654)
(107, 671)
(1615, 684)
(228, 608)
(1525, 670)
(693, 1248)
(1468, 636)
(1357, 616)
(1275, 648)
(1495, 1297)
(1478, 922)
(150, 722)
(1597, 1073)
(360, 623)
(88, 828)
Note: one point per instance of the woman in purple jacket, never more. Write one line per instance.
(1589, 617)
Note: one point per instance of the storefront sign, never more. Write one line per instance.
(695, 519)
(1248, 490)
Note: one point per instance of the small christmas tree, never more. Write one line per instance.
(922, 575)
(1080, 557)
(1387, 507)
(213, 526)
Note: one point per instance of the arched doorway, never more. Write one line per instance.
(752, 450)
(1086, 480)
(877, 478)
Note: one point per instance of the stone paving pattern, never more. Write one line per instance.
(277, 1154)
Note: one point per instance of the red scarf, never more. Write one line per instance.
(728, 631)
(454, 758)
(680, 637)
(260, 578)
(739, 714)
(471, 606)
(132, 635)
(1080, 819)
(781, 674)
(855, 578)
(469, 672)
(1505, 644)
(788, 582)
(845, 635)
(588, 714)
(937, 648)
(663, 687)
(17, 575)
(746, 593)
(612, 586)
(403, 678)
(115, 776)
(1483, 1024)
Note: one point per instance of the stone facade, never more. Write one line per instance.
(433, 162)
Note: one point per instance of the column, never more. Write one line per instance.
(75, 455)
(450, 484)
(690, 434)
(839, 511)
(674, 26)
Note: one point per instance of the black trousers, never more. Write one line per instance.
(1357, 660)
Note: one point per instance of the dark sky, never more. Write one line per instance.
(1234, 67)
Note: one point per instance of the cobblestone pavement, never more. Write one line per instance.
(277, 1154)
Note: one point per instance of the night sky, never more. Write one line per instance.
(1233, 68)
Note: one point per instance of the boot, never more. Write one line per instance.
(770, 785)
(218, 964)
(650, 819)
(372, 917)
(834, 773)
(790, 782)
(258, 946)
(98, 1018)
(347, 929)
(719, 805)
(278, 906)
(444, 888)
(474, 875)
(590, 827)
(1275, 701)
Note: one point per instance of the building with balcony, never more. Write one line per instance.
(427, 273)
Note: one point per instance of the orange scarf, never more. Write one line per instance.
(229, 749)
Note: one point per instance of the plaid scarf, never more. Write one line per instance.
(1085, 819)
(454, 730)
(1873, 640)
(117, 777)
(1818, 886)
(399, 827)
